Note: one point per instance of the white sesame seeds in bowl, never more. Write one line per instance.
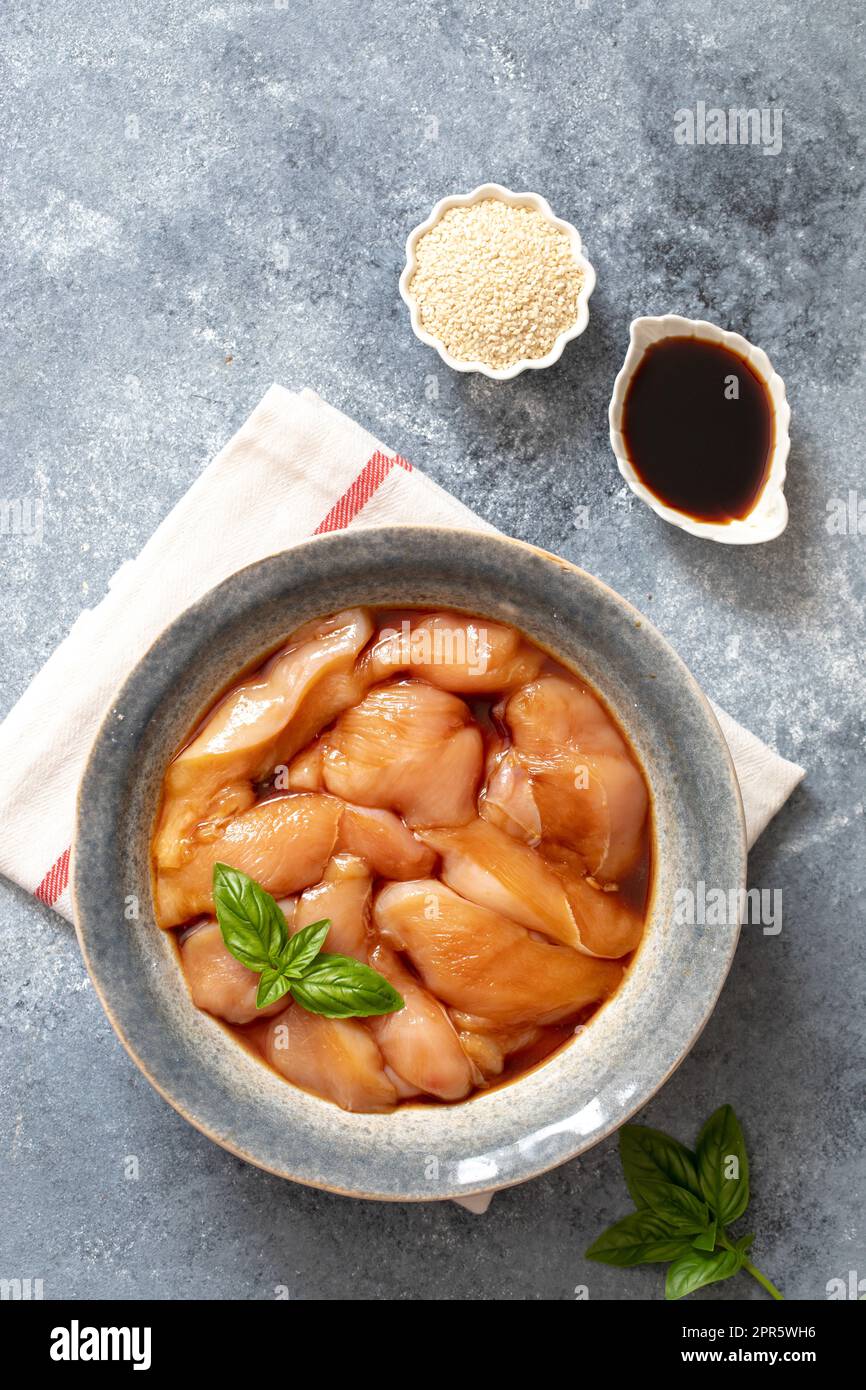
(496, 283)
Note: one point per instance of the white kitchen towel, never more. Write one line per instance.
(297, 468)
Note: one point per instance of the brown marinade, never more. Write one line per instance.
(698, 428)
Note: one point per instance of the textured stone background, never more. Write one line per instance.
(162, 162)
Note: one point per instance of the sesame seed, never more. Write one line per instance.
(495, 283)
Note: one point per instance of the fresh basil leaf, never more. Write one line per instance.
(340, 987)
(707, 1239)
(744, 1244)
(273, 984)
(683, 1212)
(694, 1269)
(253, 927)
(302, 948)
(650, 1156)
(641, 1238)
(720, 1141)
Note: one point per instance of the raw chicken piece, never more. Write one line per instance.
(568, 779)
(470, 656)
(578, 799)
(418, 1042)
(335, 1058)
(404, 1090)
(382, 840)
(408, 748)
(508, 798)
(553, 712)
(305, 771)
(487, 866)
(481, 963)
(608, 925)
(217, 981)
(259, 724)
(284, 844)
(344, 897)
(484, 1053)
(489, 1046)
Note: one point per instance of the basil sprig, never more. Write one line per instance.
(684, 1202)
(256, 932)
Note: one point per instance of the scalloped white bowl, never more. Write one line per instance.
(524, 200)
(769, 516)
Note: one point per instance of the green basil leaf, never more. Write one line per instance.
(683, 1212)
(302, 948)
(641, 1238)
(253, 927)
(707, 1239)
(273, 984)
(648, 1155)
(721, 1141)
(694, 1269)
(340, 987)
(744, 1244)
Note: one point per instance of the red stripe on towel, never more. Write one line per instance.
(55, 881)
(344, 510)
(370, 478)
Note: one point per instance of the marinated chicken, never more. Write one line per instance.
(476, 960)
(461, 810)
(385, 843)
(259, 725)
(336, 1058)
(342, 898)
(283, 843)
(569, 778)
(419, 1042)
(468, 656)
(491, 869)
(218, 982)
(409, 748)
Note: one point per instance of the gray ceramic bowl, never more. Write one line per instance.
(573, 1100)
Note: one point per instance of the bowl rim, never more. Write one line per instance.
(769, 516)
(513, 199)
(105, 734)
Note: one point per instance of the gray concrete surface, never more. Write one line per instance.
(199, 200)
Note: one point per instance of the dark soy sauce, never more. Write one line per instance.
(698, 428)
